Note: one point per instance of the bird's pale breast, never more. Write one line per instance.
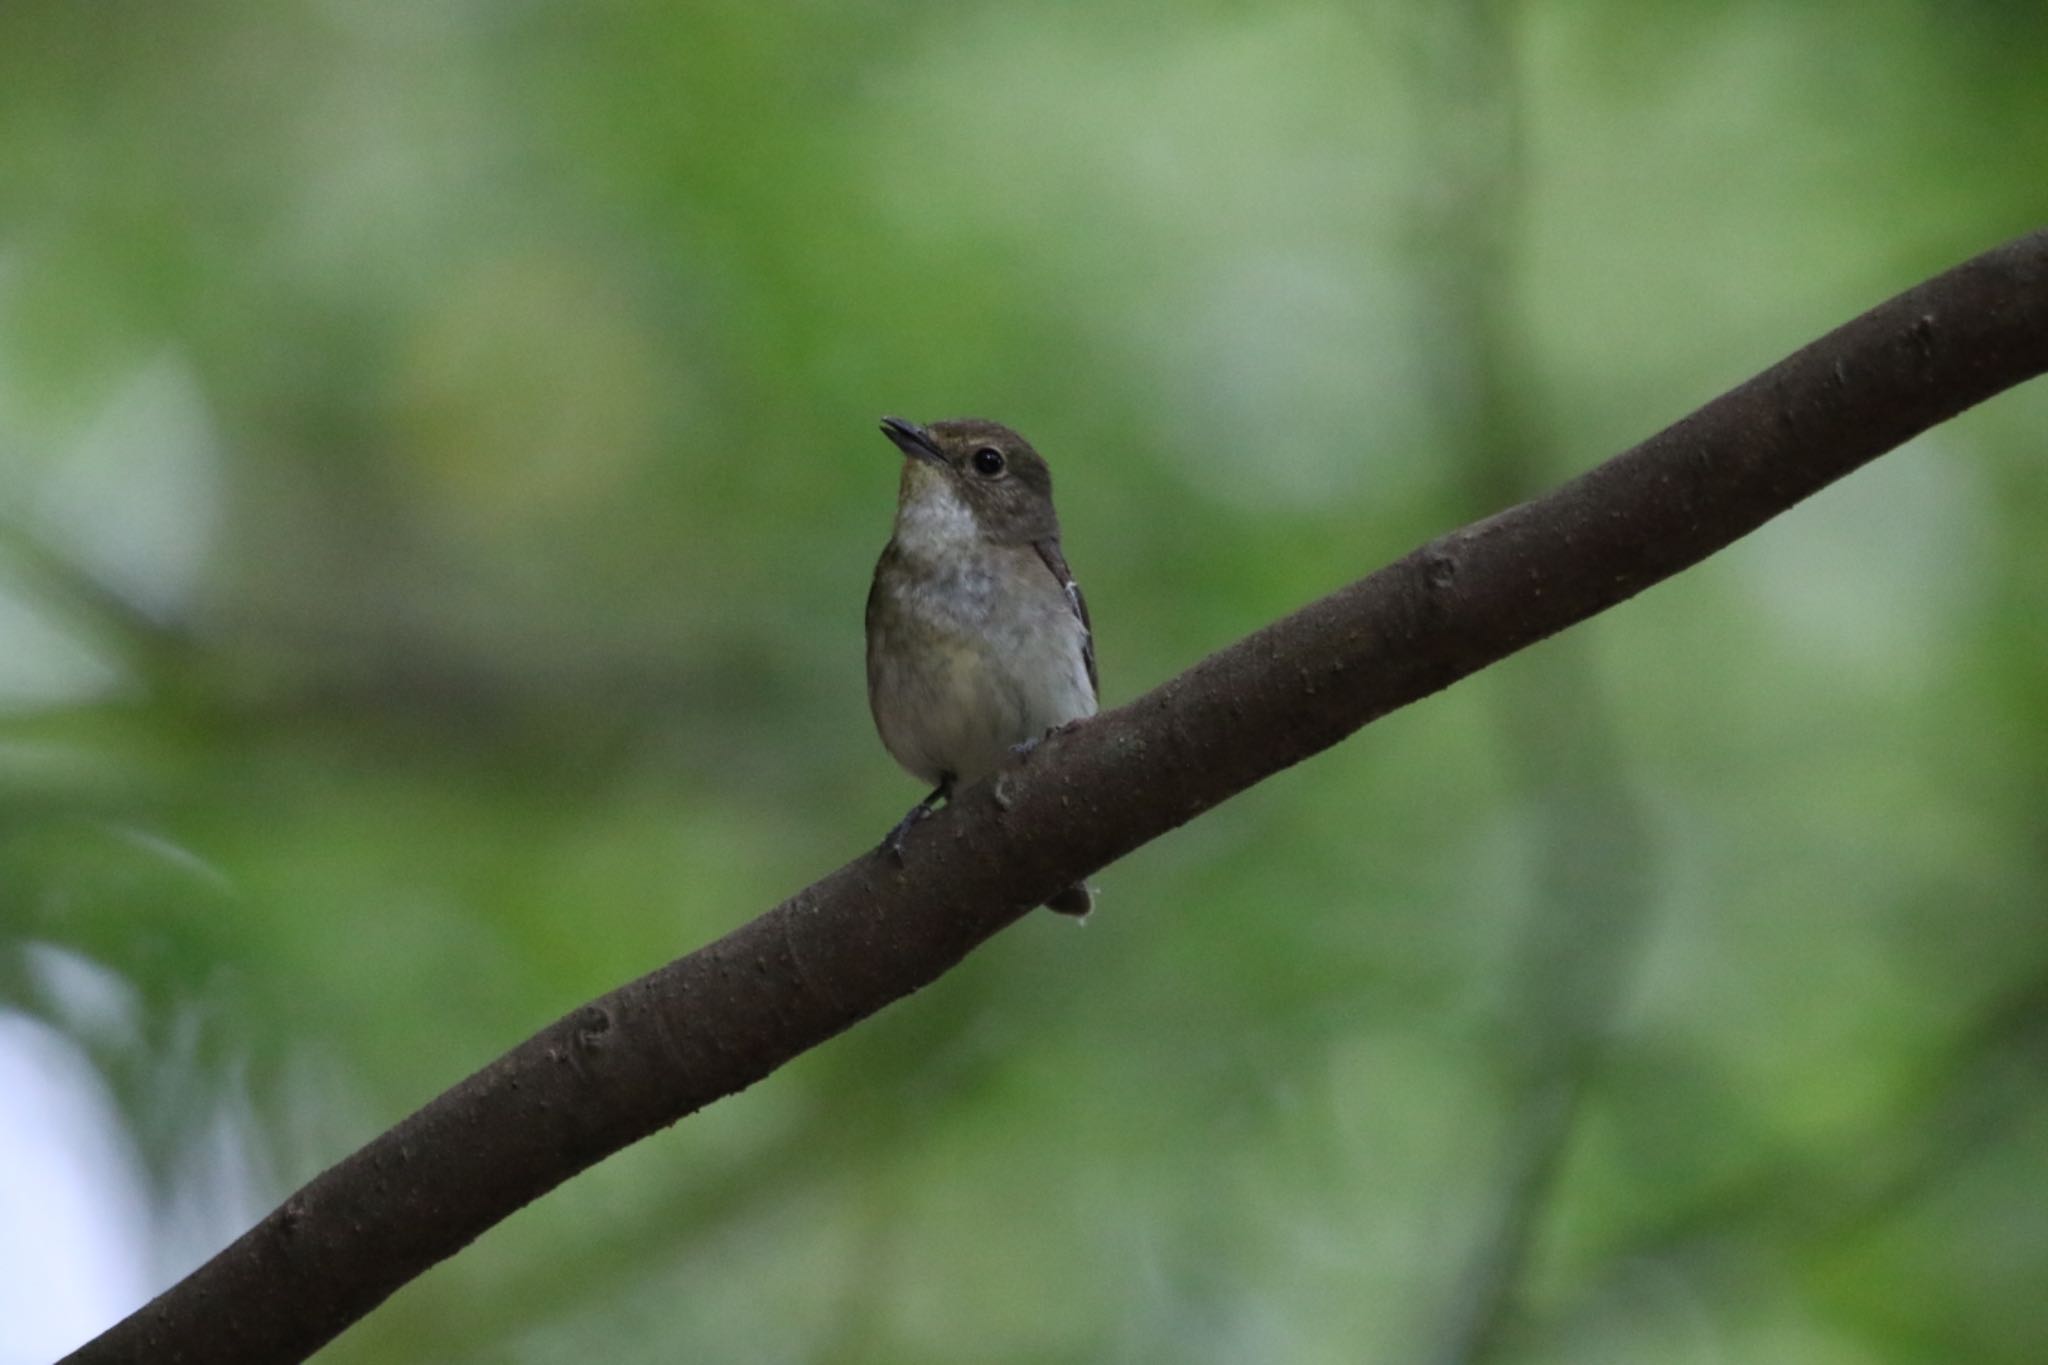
(970, 655)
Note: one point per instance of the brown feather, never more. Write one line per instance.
(1049, 551)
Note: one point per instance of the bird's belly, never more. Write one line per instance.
(952, 703)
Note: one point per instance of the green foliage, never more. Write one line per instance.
(439, 479)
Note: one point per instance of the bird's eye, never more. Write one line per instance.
(988, 461)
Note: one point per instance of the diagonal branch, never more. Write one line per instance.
(714, 1022)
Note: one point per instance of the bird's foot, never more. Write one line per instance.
(893, 844)
(1024, 747)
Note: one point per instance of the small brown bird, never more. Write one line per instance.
(978, 637)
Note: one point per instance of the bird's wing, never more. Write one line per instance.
(875, 588)
(1049, 551)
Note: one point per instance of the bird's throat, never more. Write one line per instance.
(932, 520)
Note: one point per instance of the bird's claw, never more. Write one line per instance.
(892, 845)
(1024, 747)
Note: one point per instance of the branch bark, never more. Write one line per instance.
(714, 1022)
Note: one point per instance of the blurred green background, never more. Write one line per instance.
(440, 482)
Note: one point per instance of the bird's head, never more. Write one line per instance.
(969, 478)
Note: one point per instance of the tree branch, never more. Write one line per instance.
(711, 1023)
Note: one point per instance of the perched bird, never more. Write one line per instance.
(978, 637)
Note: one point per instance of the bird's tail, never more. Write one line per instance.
(1072, 900)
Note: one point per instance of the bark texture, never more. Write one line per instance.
(723, 1017)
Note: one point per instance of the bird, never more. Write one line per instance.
(978, 637)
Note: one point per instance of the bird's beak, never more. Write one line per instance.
(912, 440)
